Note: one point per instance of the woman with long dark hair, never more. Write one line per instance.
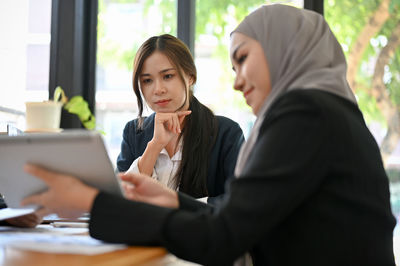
(182, 144)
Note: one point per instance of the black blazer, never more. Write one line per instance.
(2, 206)
(222, 157)
(2, 203)
(313, 192)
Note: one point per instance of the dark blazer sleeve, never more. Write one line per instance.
(223, 157)
(2, 206)
(2, 202)
(127, 154)
(250, 210)
(123, 212)
(189, 204)
(134, 142)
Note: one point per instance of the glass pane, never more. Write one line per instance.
(25, 57)
(123, 25)
(369, 34)
(214, 22)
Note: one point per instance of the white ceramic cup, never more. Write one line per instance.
(43, 115)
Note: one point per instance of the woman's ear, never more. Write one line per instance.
(191, 81)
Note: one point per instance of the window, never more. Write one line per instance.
(25, 57)
(370, 37)
(214, 22)
(122, 27)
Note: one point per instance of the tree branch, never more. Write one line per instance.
(372, 27)
(381, 94)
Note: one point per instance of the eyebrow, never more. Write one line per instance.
(162, 71)
(236, 49)
(235, 52)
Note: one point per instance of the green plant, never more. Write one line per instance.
(76, 105)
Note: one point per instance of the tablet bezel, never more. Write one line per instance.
(79, 153)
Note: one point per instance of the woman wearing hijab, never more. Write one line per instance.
(310, 188)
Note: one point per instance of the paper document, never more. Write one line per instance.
(47, 239)
(55, 218)
(8, 213)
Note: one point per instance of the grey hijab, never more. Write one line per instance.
(302, 53)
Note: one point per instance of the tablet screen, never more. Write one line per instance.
(80, 153)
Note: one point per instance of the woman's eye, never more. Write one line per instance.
(241, 59)
(168, 76)
(146, 81)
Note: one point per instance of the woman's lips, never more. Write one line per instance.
(162, 102)
(247, 92)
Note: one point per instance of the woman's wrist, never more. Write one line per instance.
(155, 146)
(88, 200)
(149, 157)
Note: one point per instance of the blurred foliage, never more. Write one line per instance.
(394, 84)
(393, 174)
(215, 18)
(113, 52)
(218, 18)
(212, 16)
(347, 18)
(168, 11)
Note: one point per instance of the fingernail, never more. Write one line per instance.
(27, 167)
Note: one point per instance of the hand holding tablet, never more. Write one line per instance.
(77, 153)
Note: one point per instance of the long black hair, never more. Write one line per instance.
(200, 131)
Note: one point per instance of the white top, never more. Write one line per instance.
(165, 168)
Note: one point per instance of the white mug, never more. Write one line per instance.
(42, 116)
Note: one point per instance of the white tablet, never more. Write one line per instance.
(80, 153)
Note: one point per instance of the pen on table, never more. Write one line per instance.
(69, 224)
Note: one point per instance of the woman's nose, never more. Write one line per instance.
(239, 82)
(159, 88)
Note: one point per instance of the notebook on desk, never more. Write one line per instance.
(79, 153)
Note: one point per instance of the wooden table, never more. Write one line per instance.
(14, 256)
(130, 256)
